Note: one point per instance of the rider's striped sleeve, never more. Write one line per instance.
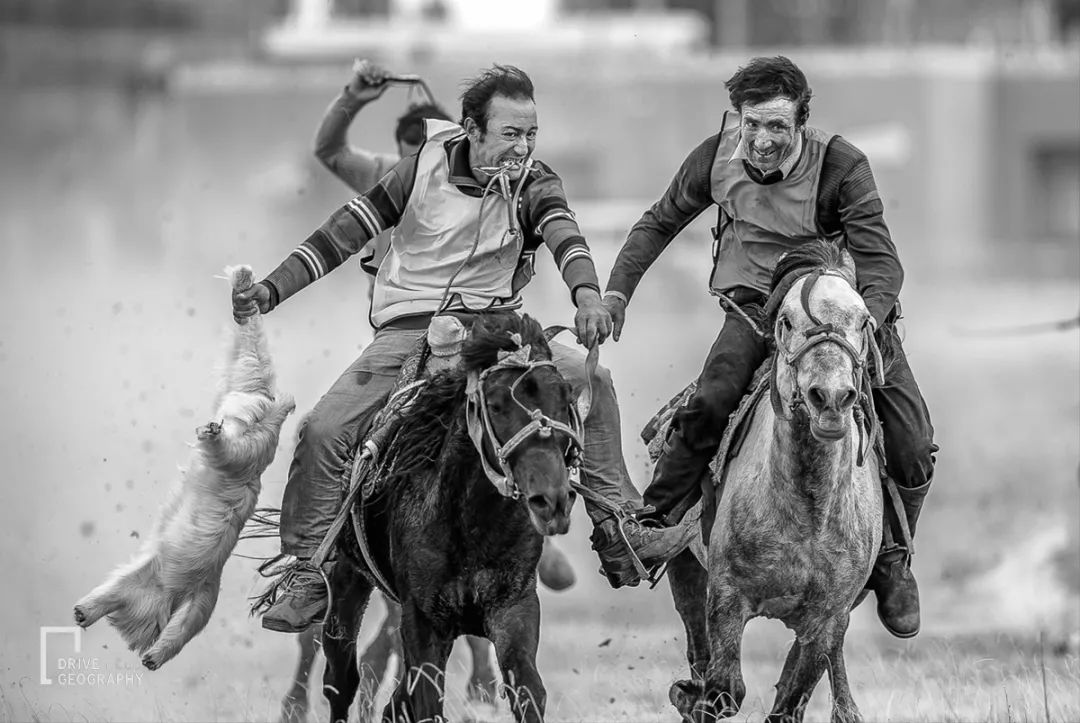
(546, 218)
(345, 233)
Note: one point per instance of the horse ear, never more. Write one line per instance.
(847, 267)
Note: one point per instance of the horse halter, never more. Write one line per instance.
(827, 333)
(478, 421)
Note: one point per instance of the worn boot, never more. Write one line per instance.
(897, 593)
(301, 599)
(891, 579)
(676, 482)
(652, 546)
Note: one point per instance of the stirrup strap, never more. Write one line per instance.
(901, 515)
(322, 552)
(622, 518)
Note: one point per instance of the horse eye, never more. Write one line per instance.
(785, 323)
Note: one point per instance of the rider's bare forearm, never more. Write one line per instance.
(360, 169)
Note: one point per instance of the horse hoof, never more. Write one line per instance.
(685, 695)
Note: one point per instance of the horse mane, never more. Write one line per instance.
(431, 423)
(820, 255)
(493, 333)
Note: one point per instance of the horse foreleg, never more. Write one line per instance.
(727, 613)
(689, 582)
(515, 630)
(482, 679)
(419, 694)
(377, 656)
(341, 677)
(844, 709)
(295, 704)
(802, 670)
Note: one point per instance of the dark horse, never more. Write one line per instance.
(799, 522)
(456, 537)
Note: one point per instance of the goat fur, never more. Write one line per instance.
(164, 597)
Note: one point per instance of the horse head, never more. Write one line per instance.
(520, 417)
(824, 335)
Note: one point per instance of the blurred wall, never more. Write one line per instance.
(960, 142)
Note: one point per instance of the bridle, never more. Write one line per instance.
(478, 421)
(828, 333)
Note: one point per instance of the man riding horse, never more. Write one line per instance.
(467, 214)
(778, 184)
(360, 169)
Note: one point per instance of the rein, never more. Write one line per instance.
(478, 422)
(827, 333)
(500, 175)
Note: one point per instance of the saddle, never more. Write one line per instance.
(438, 349)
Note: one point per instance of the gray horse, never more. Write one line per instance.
(798, 523)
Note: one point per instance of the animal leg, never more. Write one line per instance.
(515, 630)
(802, 670)
(377, 656)
(99, 602)
(419, 694)
(341, 677)
(689, 582)
(482, 680)
(844, 709)
(727, 615)
(184, 624)
(295, 704)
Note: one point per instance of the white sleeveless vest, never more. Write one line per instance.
(435, 236)
(760, 222)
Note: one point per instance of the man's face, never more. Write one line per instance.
(768, 129)
(406, 149)
(510, 135)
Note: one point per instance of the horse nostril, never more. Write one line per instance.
(540, 505)
(848, 400)
(816, 397)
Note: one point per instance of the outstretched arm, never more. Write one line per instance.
(360, 169)
(686, 197)
(345, 233)
(547, 219)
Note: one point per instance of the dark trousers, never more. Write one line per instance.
(697, 428)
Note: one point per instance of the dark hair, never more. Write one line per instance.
(763, 79)
(504, 80)
(410, 126)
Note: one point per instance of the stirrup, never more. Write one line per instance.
(651, 575)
